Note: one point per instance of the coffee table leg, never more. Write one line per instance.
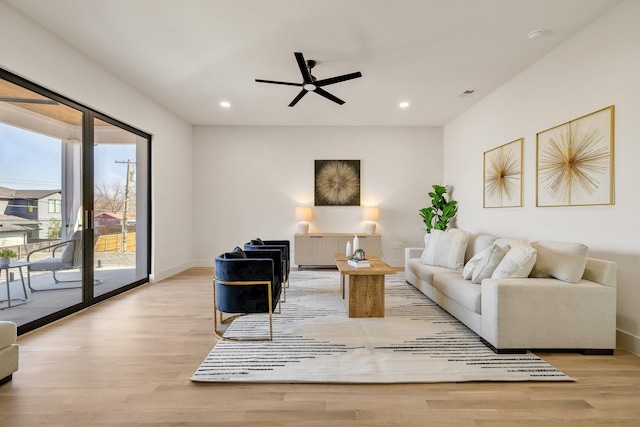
(366, 296)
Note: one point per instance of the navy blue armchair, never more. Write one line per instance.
(247, 282)
(283, 245)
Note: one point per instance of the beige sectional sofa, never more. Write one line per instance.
(538, 295)
(8, 351)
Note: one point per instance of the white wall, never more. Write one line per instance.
(596, 68)
(248, 181)
(29, 51)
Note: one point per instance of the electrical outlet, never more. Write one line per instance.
(398, 245)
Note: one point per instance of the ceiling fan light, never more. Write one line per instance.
(310, 87)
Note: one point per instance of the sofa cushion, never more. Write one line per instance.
(485, 267)
(467, 271)
(518, 262)
(445, 248)
(465, 293)
(564, 261)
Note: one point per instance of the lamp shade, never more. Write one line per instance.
(303, 213)
(370, 213)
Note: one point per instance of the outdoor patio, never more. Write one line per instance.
(113, 270)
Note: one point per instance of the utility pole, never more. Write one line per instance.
(126, 202)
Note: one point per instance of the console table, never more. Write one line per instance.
(318, 249)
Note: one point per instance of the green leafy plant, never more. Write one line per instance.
(440, 212)
(358, 254)
(7, 253)
(55, 227)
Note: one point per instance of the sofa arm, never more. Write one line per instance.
(8, 351)
(548, 314)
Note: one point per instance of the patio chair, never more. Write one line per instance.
(70, 258)
(246, 282)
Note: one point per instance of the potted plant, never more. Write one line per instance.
(440, 212)
(5, 256)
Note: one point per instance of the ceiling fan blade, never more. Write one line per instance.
(28, 100)
(279, 83)
(327, 95)
(302, 93)
(306, 74)
(338, 79)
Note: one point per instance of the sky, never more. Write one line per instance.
(32, 161)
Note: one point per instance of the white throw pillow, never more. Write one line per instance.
(445, 248)
(484, 269)
(426, 247)
(518, 262)
(467, 271)
(564, 261)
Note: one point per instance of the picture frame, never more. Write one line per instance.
(337, 183)
(575, 162)
(502, 178)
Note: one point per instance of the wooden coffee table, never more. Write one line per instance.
(364, 289)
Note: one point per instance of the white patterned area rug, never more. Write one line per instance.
(315, 342)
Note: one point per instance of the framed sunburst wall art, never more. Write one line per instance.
(503, 175)
(574, 162)
(337, 183)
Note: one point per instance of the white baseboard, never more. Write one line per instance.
(628, 342)
(203, 263)
(163, 274)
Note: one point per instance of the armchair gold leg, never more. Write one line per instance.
(231, 318)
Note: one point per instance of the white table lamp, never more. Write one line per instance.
(370, 214)
(303, 216)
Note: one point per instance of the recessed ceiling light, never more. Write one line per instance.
(404, 104)
(225, 104)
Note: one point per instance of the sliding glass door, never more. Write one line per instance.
(120, 208)
(74, 197)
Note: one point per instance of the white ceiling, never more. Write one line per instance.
(189, 55)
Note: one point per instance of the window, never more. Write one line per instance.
(55, 206)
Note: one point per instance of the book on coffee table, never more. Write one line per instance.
(359, 262)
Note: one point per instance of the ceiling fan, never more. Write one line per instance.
(27, 100)
(310, 83)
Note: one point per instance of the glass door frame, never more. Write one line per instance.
(88, 119)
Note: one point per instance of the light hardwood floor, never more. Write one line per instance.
(127, 362)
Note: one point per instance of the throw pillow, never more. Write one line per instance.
(518, 262)
(426, 246)
(484, 269)
(467, 271)
(564, 261)
(446, 248)
(478, 243)
(236, 253)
